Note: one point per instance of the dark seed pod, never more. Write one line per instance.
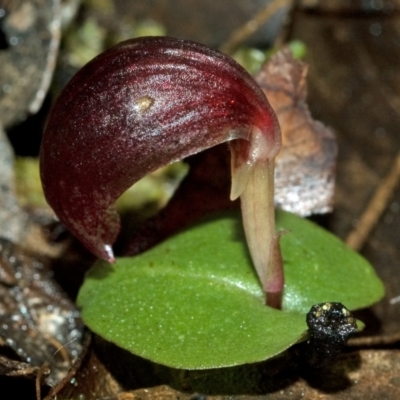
(330, 326)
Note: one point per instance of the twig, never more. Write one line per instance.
(376, 207)
(288, 25)
(375, 341)
(43, 371)
(52, 395)
(239, 35)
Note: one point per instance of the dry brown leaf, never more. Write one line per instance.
(306, 164)
(38, 324)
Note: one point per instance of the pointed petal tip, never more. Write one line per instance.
(109, 254)
(240, 173)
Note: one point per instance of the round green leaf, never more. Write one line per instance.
(195, 302)
(319, 267)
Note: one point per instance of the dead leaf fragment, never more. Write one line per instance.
(306, 164)
(38, 324)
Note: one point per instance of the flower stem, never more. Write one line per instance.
(257, 202)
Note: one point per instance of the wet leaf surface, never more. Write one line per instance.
(38, 324)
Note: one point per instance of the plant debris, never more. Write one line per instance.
(305, 167)
(38, 324)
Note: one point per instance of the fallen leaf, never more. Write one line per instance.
(305, 167)
(38, 324)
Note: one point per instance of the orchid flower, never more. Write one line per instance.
(146, 103)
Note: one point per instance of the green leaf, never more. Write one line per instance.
(195, 302)
(319, 267)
